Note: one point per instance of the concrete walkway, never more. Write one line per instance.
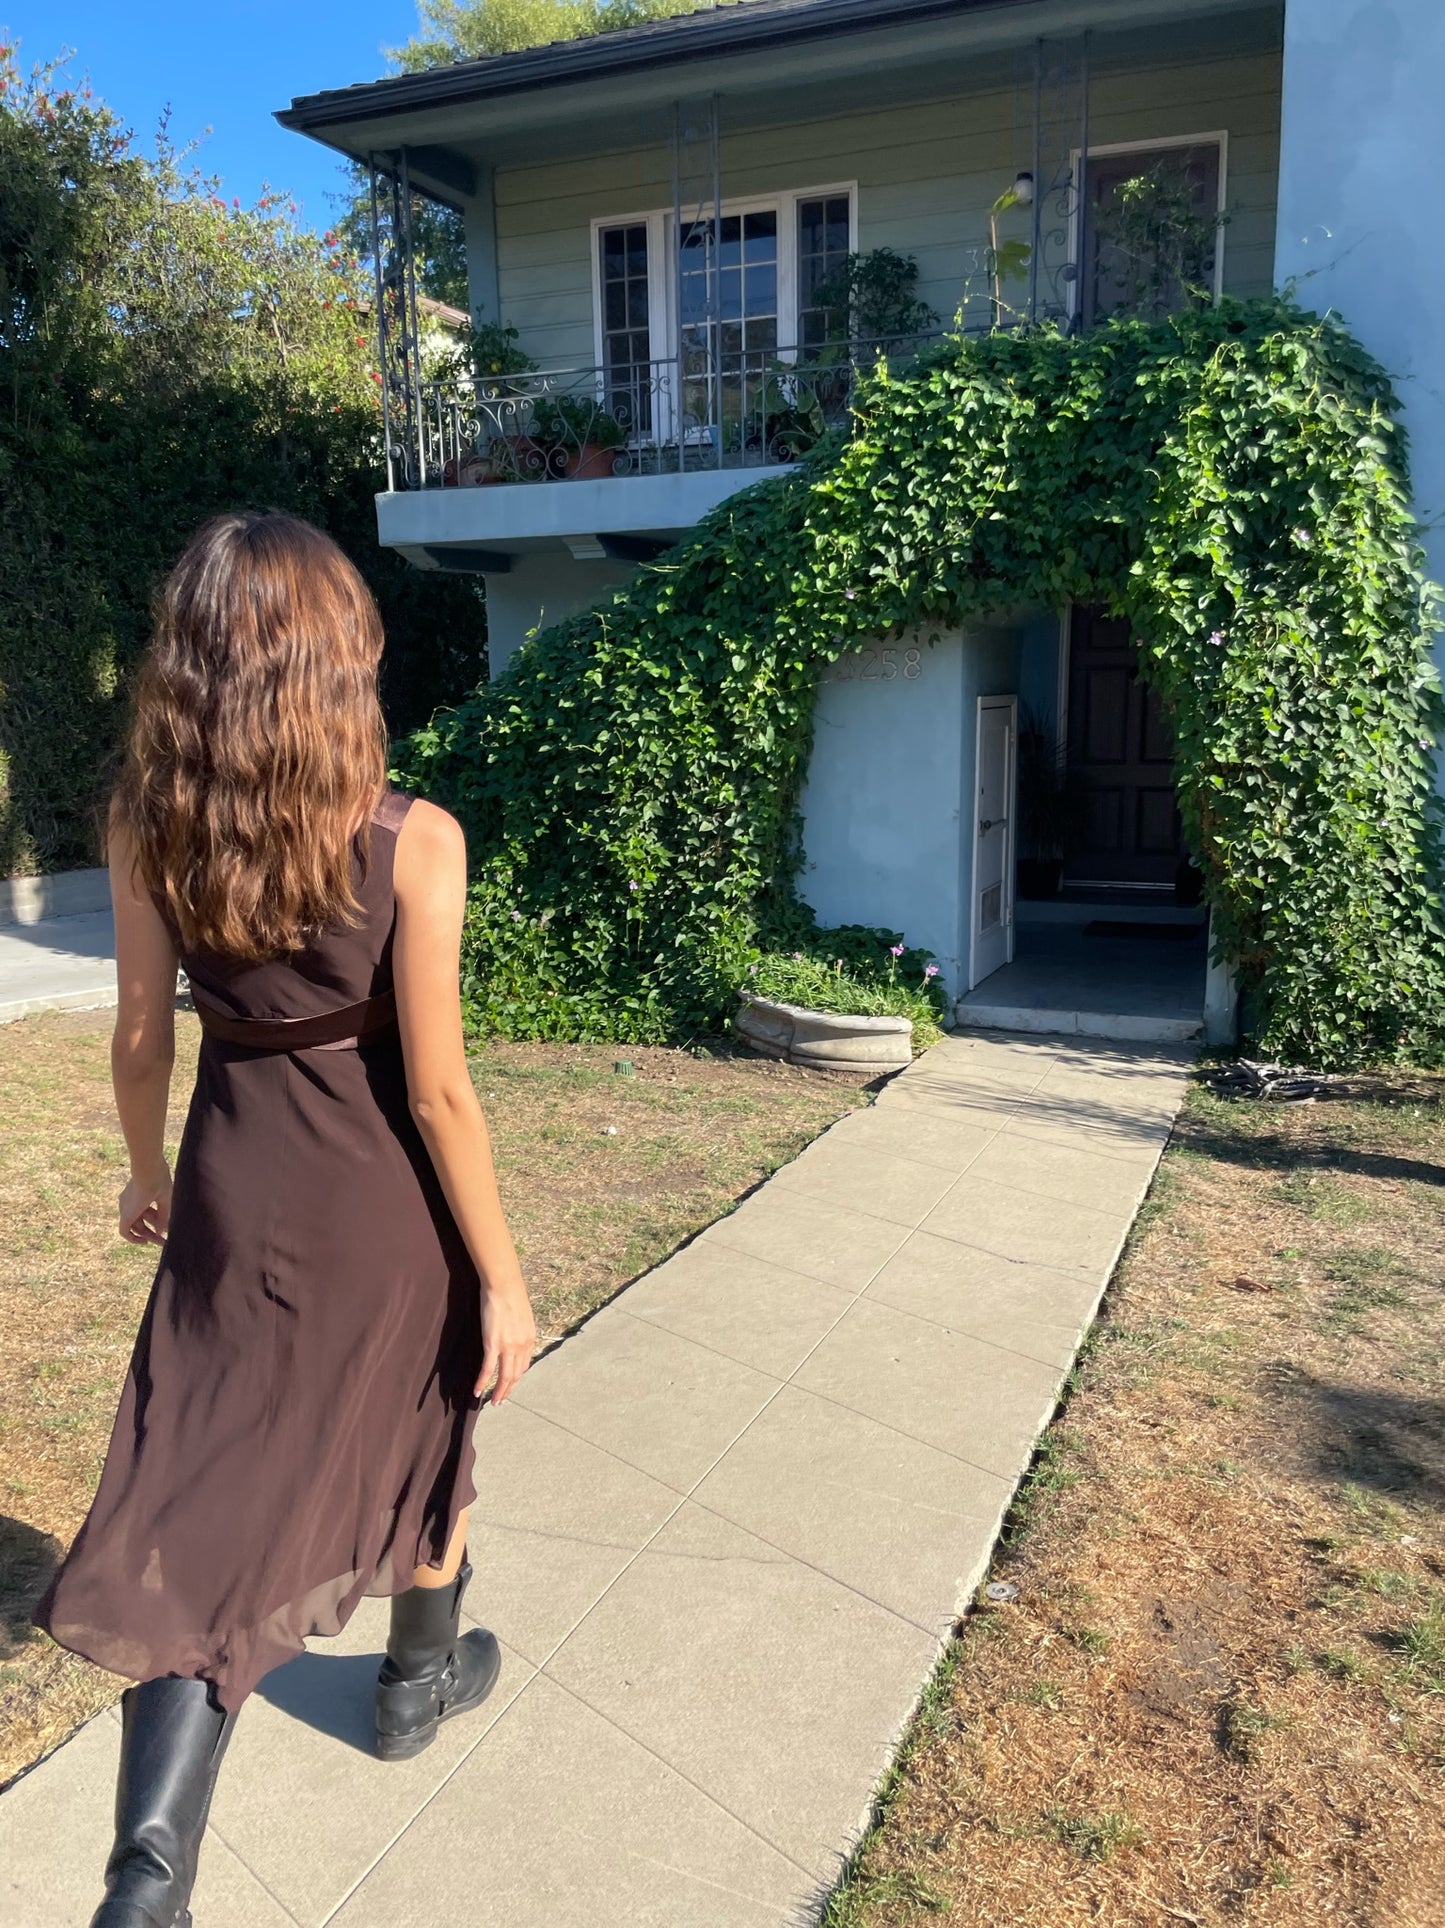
(722, 1534)
(57, 964)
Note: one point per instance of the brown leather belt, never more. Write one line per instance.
(334, 1030)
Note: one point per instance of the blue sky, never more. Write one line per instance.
(223, 64)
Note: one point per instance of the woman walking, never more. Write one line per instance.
(337, 1286)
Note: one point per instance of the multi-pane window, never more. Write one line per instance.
(729, 280)
(823, 237)
(728, 316)
(626, 331)
(698, 324)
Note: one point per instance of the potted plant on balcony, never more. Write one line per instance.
(486, 376)
(792, 417)
(581, 438)
(871, 301)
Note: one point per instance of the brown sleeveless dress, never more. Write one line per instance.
(295, 1430)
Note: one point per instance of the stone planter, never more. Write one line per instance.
(824, 1040)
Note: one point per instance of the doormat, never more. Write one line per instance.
(1169, 933)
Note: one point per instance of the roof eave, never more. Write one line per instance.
(729, 30)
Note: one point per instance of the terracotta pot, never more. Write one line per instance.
(824, 1040)
(530, 460)
(474, 471)
(586, 463)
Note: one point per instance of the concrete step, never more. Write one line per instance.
(1123, 1026)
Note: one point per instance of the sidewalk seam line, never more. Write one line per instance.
(259, 1879)
(687, 1779)
(417, 1813)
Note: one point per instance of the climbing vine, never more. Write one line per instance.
(1231, 481)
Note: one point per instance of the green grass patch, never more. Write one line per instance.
(1421, 1644)
(1094, 1837)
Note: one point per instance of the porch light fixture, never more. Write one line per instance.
(1024, 188)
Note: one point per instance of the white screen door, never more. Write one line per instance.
(993, 838)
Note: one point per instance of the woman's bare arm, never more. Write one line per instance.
(431, 886)
(143, 1044)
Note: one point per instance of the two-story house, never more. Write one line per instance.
(660, 225)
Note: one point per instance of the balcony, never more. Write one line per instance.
(607, 462)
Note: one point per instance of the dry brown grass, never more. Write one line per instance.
(590, 1209)
(1219, 1697)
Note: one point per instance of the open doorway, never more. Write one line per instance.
(1108, 937)
(1119, 758)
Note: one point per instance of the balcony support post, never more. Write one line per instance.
(481, 240)
(715, 301)
(383, 359)
(679, 393)
(411, 332)
(1081, 285)
(1036, 211)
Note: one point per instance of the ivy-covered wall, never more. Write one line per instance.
(1232, 481)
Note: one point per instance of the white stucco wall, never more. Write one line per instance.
(888, 803)
(1362, 160)
(882, 803)
(539, 589)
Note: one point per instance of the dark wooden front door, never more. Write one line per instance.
(1120, 758)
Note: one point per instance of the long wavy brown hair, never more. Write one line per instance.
(257, 749)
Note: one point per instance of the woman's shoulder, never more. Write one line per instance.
(430, 844)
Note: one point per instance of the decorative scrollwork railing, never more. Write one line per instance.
(658, 417)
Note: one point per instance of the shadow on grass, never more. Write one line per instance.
(1270, 1153)
(28, 1558)
(1365, 1437)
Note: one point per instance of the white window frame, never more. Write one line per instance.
(653, 220)
(1219, 138)
(662, 316)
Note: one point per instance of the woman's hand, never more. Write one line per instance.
(145, 1209)
(509, 1337)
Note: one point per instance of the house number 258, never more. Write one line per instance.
(879, 665)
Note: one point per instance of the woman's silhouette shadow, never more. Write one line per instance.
(330, 1692)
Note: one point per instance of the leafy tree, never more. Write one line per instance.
(464, 29)
(873, 298)
(438, 240)
(164, 355)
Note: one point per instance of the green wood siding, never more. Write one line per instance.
(925, 178)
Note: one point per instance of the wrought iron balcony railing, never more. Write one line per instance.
(659, 417)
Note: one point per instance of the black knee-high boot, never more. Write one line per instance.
(429, 1674)
(173, 1735)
